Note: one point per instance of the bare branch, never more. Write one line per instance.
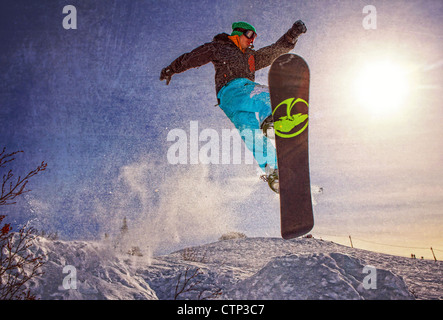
(4, 157)
(11, 189)
(18, 265)
(189, 282)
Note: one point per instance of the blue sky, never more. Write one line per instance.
(89, 103)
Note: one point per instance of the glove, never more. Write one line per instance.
(297, 29)
(166, 74)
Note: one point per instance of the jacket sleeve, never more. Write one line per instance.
(266, 55)
(196, 58)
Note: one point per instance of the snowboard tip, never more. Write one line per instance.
(297, 232)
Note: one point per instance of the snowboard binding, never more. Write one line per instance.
(267, 127)
(271, 177)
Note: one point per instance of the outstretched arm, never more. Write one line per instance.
(196, 58)
(265, 56)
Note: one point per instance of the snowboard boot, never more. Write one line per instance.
(271, 177)
(267, 127)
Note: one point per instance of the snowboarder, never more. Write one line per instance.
(245, 102)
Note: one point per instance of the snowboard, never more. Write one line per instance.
(289, 89)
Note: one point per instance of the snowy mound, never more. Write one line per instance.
(93, 270)
(318, 276)
(249, 268)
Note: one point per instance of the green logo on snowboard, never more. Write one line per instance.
(285, 124)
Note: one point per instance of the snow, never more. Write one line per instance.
(247, 268)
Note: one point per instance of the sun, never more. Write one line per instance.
(381, 88)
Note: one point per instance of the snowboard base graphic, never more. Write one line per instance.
(289, 89)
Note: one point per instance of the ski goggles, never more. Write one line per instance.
(251, 35)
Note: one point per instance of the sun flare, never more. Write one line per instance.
(382, 87)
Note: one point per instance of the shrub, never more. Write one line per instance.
(17, 264)
(232, 235)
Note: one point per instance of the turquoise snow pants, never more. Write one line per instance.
(247, 104)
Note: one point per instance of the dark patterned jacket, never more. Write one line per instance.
(229, 61)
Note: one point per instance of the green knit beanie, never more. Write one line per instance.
(242, 25)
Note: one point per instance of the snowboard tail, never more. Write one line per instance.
(289, 89)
